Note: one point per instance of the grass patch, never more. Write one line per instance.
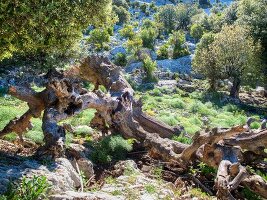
(175, 108)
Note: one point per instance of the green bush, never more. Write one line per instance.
(177, 40)
(147, 23)
(122, 3)
(167, 17)
(120, 59)
(111, 148)
(163, 51)
(148, 37)
(134, 44)
(176, 17)
(29, 189)
(127, 31)
(143, 7)
(149, 67)
(123, 14)
(98, 37)
(196, 31)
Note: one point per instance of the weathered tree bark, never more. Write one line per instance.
(65, 96)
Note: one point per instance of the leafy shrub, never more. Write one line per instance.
(123, 14)
(120, 59)
(29, 189)
(149, 67)
(111, 148)
(206, 170)
(147, 23)
(177, 39)
(143, 7)
(134, 44)
(167, 17)
(196, 31)
(148, 37)
(98, 37)
(163, 51)
(127, 31)
(176, 17)
(151, 189)
(136, 4)
(122, 3)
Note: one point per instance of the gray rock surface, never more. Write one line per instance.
(61, 174)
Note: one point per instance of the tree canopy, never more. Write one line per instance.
(232, 54)
(30, 27)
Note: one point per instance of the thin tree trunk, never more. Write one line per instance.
(212, 84)
(235, 88)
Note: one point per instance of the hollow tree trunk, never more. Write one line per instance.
(235, 88)
(65, 97)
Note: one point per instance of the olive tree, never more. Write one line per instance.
(232, 55)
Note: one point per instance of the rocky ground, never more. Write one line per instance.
(129, 179)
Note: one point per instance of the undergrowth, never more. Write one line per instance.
(29, 189)
(111, 148)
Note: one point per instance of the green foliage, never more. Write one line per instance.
(122, 14)
(149, 67)
(196, 31)
(162, 105)
(148, 36)
(151, 189)
(184, 140)
(111, 148)
(176, 17)
(206, 170)
(47, 29)
(157, 172)
(127, 31)
(143, 7)
(29, 189)
(163, 51)
(133, 45)
(167, 17)
(147, 23)
(252, 15)
(120, 59)
(248, 194)
(230, 54)
(122, 3)
(177, 40)
(99, 37)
